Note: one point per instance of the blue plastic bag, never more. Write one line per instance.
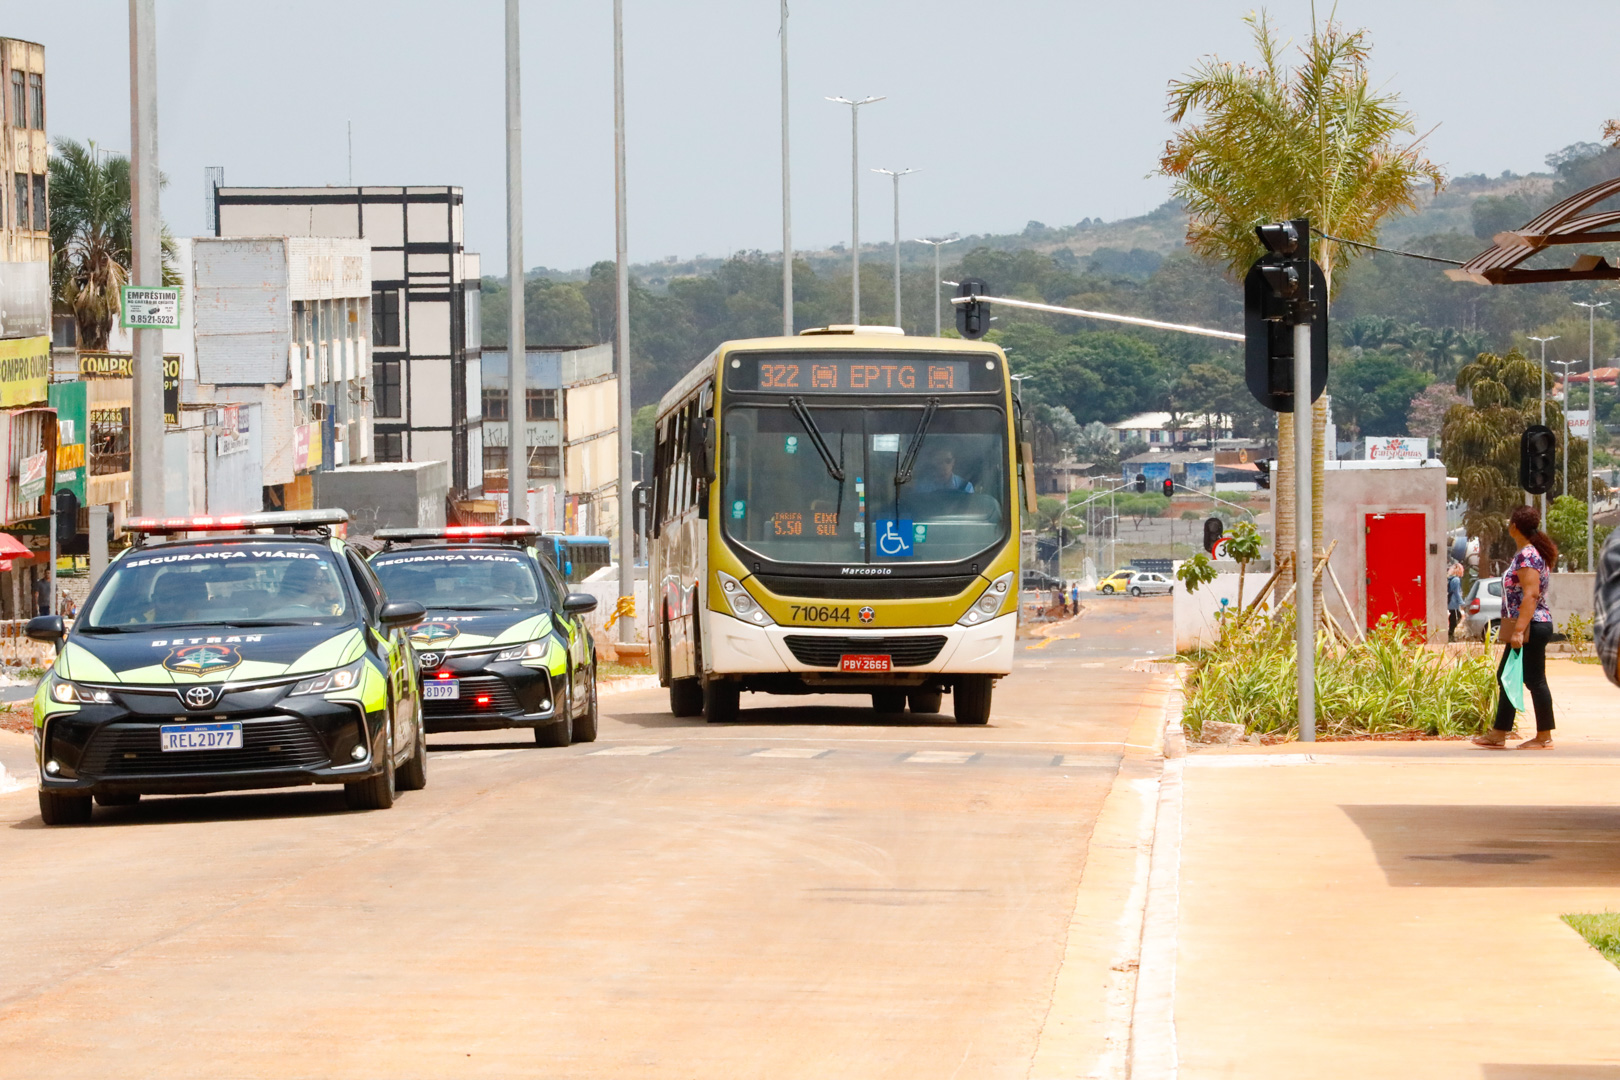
(1513, 678)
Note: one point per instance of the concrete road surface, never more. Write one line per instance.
(817, 891)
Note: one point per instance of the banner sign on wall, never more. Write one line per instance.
(233, 431)
(1397, 448)
(1580, 423)
(25, 370)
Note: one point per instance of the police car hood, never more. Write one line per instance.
(450, 630)
(180, 655)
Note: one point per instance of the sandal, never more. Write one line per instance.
(1492, 740)
(1537, 743)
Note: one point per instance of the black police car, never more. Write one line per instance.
(503, 644)
(239, 659)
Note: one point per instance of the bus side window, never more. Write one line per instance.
(660, 477)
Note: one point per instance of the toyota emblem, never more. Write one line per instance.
(429, 660)
(199, 697)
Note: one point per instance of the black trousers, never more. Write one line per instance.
(1455, 616)
(1535, 678)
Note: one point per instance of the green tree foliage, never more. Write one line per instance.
(1372, 393)
(1566, 524)
(90, 237)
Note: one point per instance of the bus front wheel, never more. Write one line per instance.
(721, 702)
(972, 699)
(685, 697)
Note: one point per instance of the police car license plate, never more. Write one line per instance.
(201, 736)
(863, 663)
(441, 690)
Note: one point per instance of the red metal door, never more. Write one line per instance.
(1395, 569)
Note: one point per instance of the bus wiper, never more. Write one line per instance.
(834, 469)
(908, 460)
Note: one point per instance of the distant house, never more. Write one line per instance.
(1154, 429)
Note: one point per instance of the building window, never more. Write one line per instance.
(389, 446)
(36, 102)
(495, 398)
(386, 376)
(544, 461)
(542, 404)
(19, 206)
(494, 461)
(19, 101)
(41, 222)
(385, 318)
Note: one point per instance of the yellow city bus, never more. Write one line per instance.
(837, 512)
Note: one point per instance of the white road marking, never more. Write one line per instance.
(790, 752)
(941, 757)
(629, 751)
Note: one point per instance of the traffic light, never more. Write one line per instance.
(1214, 532)
(1283, 289)
(1169, 488)
(1536, 459)
(972, 318)
(1141, 481)
(1263, 477)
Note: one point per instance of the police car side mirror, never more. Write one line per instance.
(46, 628)
(400, 613)
(577, 603)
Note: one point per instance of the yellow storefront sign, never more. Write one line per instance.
(25, 370)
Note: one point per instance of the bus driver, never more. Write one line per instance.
(938, 473)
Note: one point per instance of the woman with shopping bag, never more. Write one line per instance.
(1526, 629)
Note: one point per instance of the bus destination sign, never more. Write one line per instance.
(878, 374)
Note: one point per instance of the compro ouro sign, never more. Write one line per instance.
(148, 308)
(1397, 448)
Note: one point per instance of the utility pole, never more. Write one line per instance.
(1544, 341)
(1591, 413)
(627, 520)
(787, 193)
(937, 245)
(896, 176)
(855, 200)
(146, 262)
(517, 360)
(1304, 553)
(1564, 366)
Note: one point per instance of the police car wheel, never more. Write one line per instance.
(412, 776)
(58, 809)
(127, 798)
(924, 701)
(374, 792)
(556, 734)
(585, 726)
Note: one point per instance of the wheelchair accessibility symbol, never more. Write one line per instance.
(894, 538)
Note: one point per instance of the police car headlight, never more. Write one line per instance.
(531, 651)
(73, 694)
(742, 605)
(341, 679)
(989, 602)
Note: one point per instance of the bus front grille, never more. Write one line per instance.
(866, 588)
(902, 651)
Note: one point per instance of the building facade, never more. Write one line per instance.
(424, 308)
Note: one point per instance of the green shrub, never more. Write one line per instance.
(1390, 683)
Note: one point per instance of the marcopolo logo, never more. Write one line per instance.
(202, 660)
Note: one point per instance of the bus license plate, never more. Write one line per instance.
(201, 736)
(441, 690)
(863, 663)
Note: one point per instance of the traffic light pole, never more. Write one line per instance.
(1304, 554)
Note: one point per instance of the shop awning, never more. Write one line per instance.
(12, 548)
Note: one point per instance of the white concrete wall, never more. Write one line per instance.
(1195, 613)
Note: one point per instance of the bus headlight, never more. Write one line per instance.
(989, 602)
(742, 605)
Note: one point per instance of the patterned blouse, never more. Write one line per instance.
(1513, 593)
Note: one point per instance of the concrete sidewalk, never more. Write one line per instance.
(1392, 909)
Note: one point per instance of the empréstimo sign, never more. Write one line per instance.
(148, 309)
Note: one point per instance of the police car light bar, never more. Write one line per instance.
(282, 519)
(461, 532)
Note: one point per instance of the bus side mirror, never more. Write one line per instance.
(1026, 456)
(700, 448)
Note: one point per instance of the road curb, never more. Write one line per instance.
(1154, 1054)
(625, 686)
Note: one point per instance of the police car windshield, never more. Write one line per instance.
(463, 580)
(226, 583)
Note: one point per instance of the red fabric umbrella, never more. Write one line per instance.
(12, 548)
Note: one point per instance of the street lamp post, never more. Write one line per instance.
(787, 193)
(855, 200)
(146, 262)
(627, 569)
(1591, 411)
(1564, 366)
(937, 245)
(1544, 341)
(517, 416)
(896, 175)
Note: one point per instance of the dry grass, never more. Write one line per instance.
(1601, 931)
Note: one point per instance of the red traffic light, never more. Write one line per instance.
(1169, 488)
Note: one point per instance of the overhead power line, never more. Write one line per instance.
(1385, 250)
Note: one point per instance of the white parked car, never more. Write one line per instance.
(1482, 608)
(1145, 584)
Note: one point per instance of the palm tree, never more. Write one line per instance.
(90, 237)
(1273, 143)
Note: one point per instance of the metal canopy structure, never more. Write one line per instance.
(1558, 225)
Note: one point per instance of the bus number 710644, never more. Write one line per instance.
(820, 614)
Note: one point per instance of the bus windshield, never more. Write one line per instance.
(919, 483)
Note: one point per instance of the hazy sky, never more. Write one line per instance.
(1012, 110)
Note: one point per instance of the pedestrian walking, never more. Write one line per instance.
(1527, 627)
(42, 595)
(1057, 598)
(1454, 598)
(1074, 597)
